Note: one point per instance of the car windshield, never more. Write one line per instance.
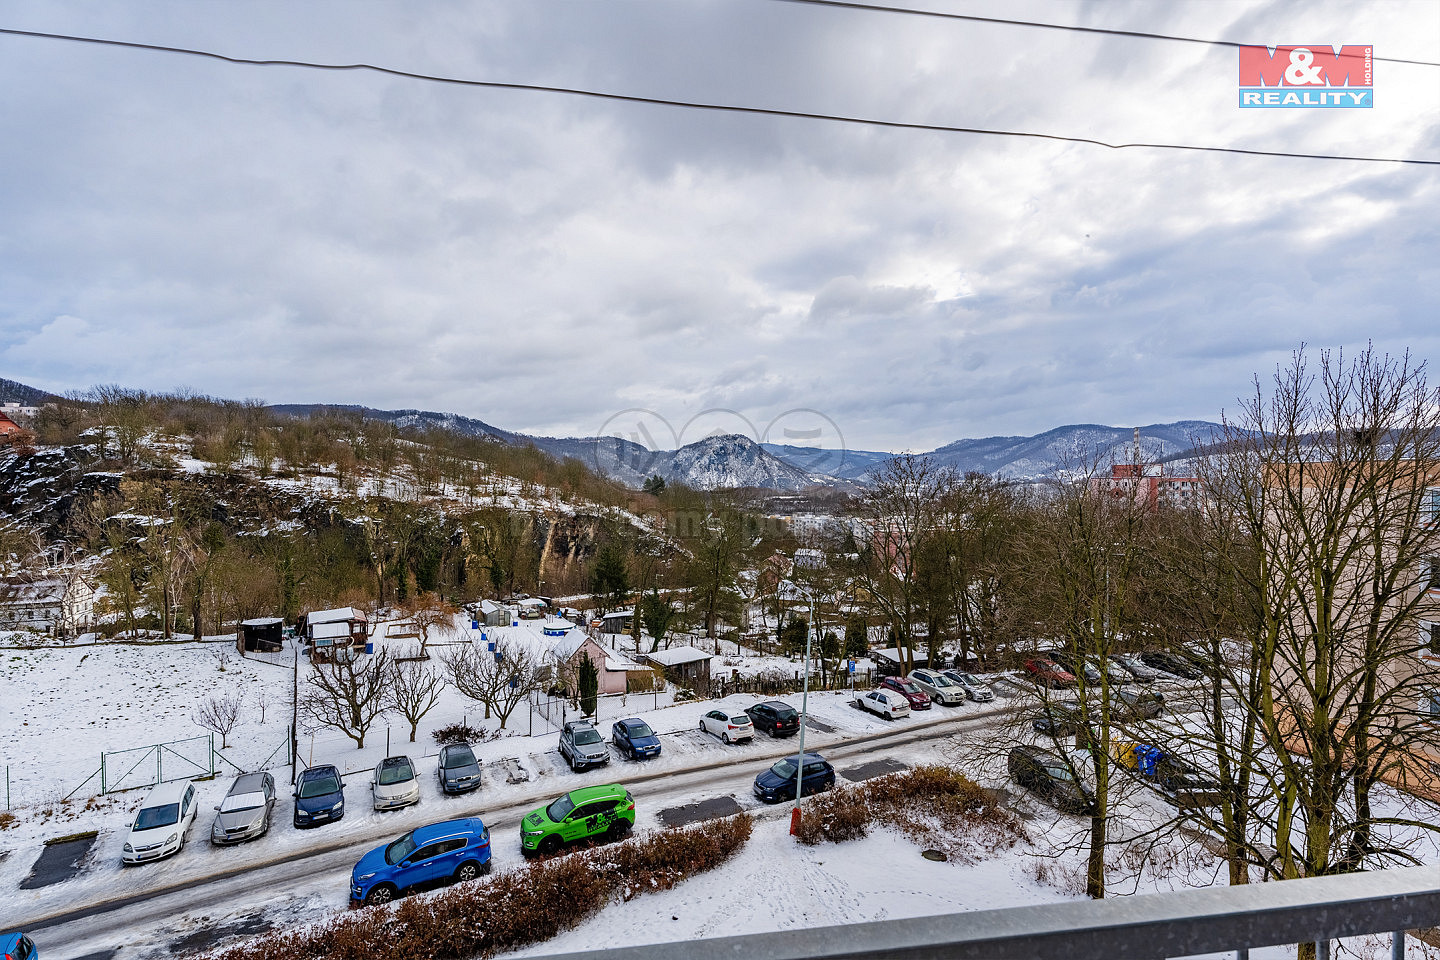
(785, 769)
(940, 680)
(396, 773)
(560, 809)
(967, 678)
(242, 801)
(907, 686)
(162, 816)
(459, 756)
(785, 713)
(740, 719)
(319, 787)
(640, 730)
(400, 849)
(1058, 772)
(587, 736)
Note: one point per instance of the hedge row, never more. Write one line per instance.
(512, 909)
(925, 802)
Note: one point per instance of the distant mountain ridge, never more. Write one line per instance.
(738, 461)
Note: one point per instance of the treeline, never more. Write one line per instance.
(336, 441)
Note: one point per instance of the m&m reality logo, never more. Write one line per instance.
(1313, 75)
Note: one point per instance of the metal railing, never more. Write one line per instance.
(1147, 927)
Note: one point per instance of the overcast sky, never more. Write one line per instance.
(547, 263)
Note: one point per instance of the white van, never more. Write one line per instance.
(161, 824)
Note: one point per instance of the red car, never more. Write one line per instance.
(919, 699)
(1048, 673)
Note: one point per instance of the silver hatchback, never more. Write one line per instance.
(245, 812)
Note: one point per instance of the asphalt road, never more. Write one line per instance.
(203, 910)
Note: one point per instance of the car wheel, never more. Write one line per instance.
(485, 868)
(615, 832)
(467, 871)
(725, 737)
(549, 845)
(380, 894)
(702, 726)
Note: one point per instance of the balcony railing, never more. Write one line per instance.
(1147, 927)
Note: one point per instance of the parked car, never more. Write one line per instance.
(1050, 778)
(938, 687)
(1182, 782)
(728, 725)
(1058, 719)
(1138, 704)
(1116, 674)
(1047, 673)
(1076, 666)
(775, 717)
(919, 699)
(1173, 663)
(459, 771)
(319, 796)
(161, 824)
(974, 687)
(1137, 668)
(449, 852)
(777, 782)
(634, 739)
(245, 812)
(582, 746)
(887, 703)
(607, 811)
(17, 946)
(395, 785)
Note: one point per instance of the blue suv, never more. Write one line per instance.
(17, 946)
(449, 852)
(634, 739)
(319, 796)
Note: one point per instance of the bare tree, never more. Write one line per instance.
(1334, 478)
(431, 614)
(348, 693)
(415, 689)
(219, 714)
(903, 505)
(501, 680)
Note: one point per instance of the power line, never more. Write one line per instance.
(877, 8)
(700, 105)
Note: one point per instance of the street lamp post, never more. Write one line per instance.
(804, 712)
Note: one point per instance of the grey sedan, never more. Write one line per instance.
(459, 771)
(245, 812)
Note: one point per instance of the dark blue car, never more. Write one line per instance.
(778, 783)
(319, 796)
(634, 739)
(449, 852)
(17, 946)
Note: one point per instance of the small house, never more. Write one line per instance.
(342, 627)
(617, 622)
(491, 614)
(683, 666)
(531, 608)
(261, 635)
(8, 426)
(61, 604)
(614, 669)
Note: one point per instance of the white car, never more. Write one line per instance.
(161, 824)
(940, 687)
(395, 784)
(887, 703)
(975, 688)
(728, 725)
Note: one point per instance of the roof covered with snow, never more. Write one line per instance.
(678, 655)
(334, 616)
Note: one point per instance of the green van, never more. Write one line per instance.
(607, 811)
